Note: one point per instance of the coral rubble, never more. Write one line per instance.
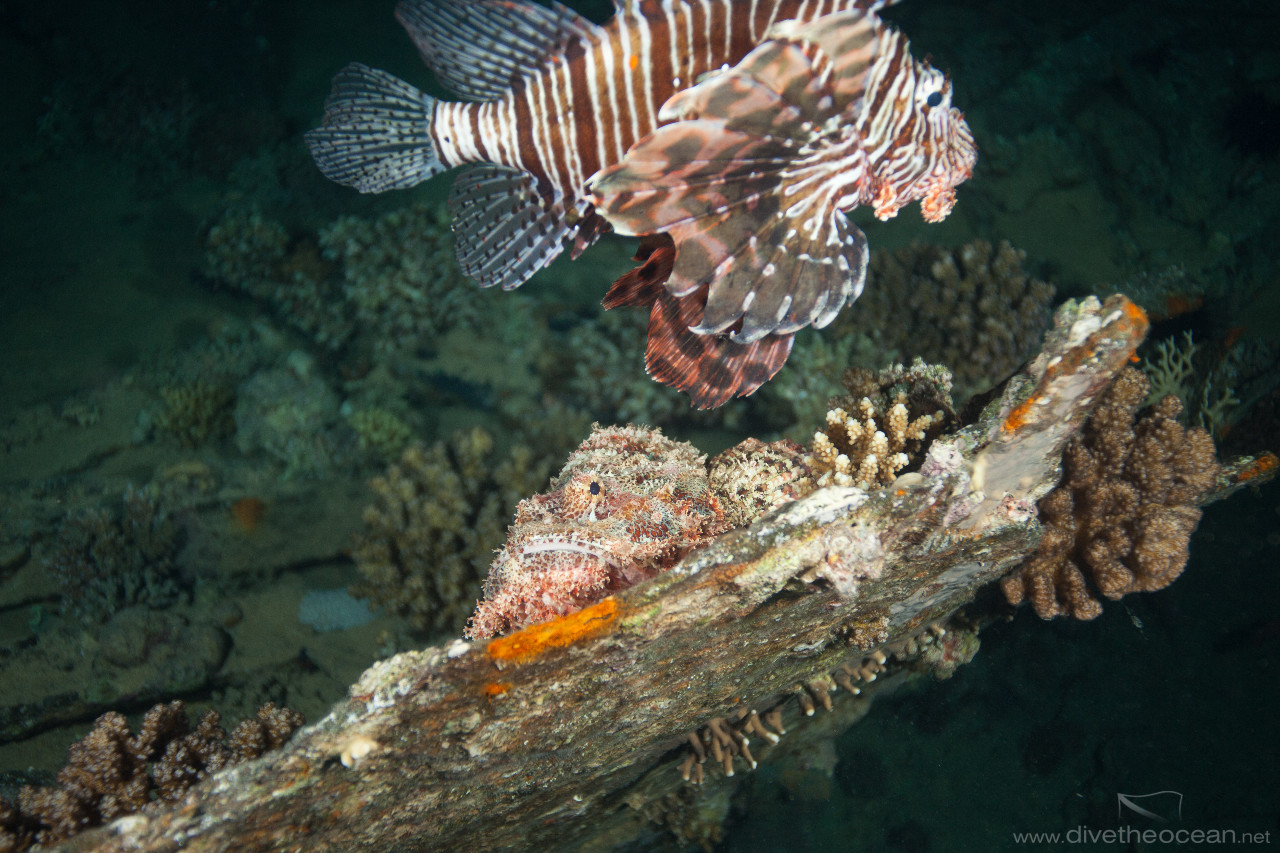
(1122, 517)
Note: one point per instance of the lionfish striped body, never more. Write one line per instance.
(559, 100)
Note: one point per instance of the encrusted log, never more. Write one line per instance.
(572, 731)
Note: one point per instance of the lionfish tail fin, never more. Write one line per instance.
(376, 133)
(751, 183)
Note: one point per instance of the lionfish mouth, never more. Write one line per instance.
(549, 544)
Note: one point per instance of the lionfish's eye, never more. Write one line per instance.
(934, 99)
(595, 487)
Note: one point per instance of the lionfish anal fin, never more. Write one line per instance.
(505, 227)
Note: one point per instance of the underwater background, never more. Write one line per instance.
(220, 370)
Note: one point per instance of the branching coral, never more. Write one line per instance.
(293, 416)
(1122, 517)
(436, 519)
(973, 309)
(400, 278)
(197, 413)
(105, 561)
(881, 425)
(380, 431)
(386, 295)
(250, 253)
(391, 280)
(811, 376)
(1219, 384)
(112, 772)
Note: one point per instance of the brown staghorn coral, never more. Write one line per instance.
(973, 309)
(1121, 519)
(879, 427)
(111, 772)
(437, 517)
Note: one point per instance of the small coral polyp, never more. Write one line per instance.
(628, 504)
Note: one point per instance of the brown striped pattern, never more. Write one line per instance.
(753, 180)
(586, 108)
(711, 369)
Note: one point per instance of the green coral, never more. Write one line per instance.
(1210, 398)
(380, 431)
(197, 413)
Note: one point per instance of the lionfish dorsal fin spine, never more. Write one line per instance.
(479, 49)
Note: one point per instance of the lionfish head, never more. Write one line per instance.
(920, 146)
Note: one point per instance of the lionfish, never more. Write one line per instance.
(741, 199)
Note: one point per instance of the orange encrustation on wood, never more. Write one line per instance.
(1020, 415)
(564, 631)
(1262, 465)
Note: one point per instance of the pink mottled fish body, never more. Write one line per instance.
(628, 504)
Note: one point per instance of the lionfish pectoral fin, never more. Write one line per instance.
(376, 133)
(749, 185)
(480, 47)
(505, 228)
(711, 369)
(793, 275)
